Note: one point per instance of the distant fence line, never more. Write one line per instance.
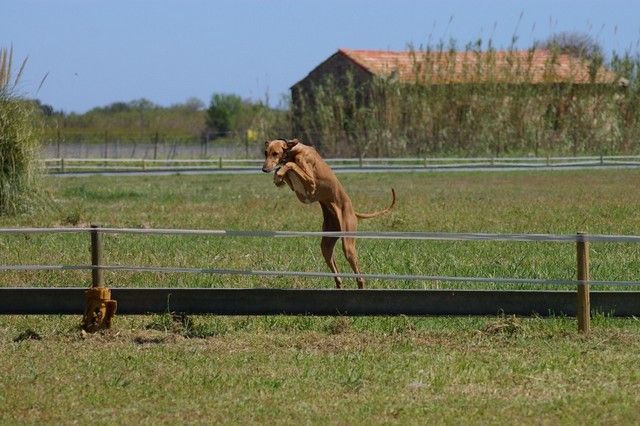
(150, 148)
(167, 148)
(79, 165)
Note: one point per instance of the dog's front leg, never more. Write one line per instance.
(279, 177)
(279, 180)
(305, 173)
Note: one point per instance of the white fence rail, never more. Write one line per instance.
(79, 165)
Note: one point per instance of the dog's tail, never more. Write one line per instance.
(381, 212)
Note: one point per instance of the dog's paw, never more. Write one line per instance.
(280, 172)
(278, 179)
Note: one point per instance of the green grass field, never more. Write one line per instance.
(290, 370)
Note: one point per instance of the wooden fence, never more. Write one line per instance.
(580, 303)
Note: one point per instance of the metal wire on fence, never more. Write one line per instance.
(381, 235)
(313, 274)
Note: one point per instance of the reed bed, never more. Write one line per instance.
(20, 131)
(496, 103)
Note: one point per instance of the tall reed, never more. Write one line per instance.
(491, 103)
(20, 133)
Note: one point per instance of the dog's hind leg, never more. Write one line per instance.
(350, 224)
(349, 249)
(327, 244)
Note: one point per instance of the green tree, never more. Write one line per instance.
(223, 113)
(572, 43)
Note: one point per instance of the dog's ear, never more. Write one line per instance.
(266, 144)
(291, 143)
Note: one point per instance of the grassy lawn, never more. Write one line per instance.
(290, 370)
(554, 202)
(320, 370)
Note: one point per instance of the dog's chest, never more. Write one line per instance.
(298, 187)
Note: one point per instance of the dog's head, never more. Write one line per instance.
(276, 153)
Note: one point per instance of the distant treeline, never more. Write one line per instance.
(228, 117)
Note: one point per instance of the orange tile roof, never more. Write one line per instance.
(536, 66)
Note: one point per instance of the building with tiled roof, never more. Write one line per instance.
(522, 66)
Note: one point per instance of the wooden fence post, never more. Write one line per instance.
(106, 144)
(156, 140)
(58, 138)
(583, 311)
(99, 308)
(97, 277)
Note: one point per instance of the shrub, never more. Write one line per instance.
(20, 131)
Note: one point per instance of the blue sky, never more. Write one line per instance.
(99, 52)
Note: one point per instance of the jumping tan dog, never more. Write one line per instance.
(301, 167)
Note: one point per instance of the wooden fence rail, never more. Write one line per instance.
(260, 301)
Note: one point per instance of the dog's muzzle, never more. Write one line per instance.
(273, 169)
